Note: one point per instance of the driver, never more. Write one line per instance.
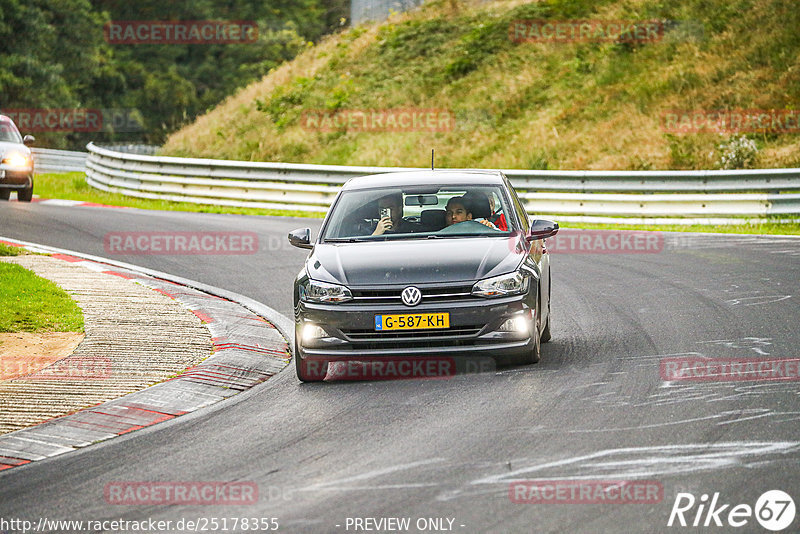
(456, 211)
(459, 209)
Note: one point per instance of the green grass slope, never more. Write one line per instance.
(31, 303)
(582, 105)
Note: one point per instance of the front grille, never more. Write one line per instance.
(429, 294)
(367, 335)
(428, 343)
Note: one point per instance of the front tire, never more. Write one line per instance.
(25, 195)
(536, 352)
(5, 194)
(546, 332)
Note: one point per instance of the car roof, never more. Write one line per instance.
(8, 120)
(417, 178)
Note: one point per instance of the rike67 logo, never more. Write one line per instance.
(774, 510)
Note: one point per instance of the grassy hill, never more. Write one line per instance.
(556, 105)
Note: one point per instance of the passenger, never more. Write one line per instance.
(394, 222)
(499, 219)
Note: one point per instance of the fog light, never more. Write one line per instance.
(312, 331)
(520, 323)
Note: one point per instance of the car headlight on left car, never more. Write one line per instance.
(15, 159)
(502, 286)
(324, 293)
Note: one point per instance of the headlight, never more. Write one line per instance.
(314, 291)
(503, 285)
(15, 159)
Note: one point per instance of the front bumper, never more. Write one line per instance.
(14, 179)
(473, 331)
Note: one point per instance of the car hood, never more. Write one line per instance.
(414, 261)
(6, 146)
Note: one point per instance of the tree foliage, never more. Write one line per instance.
(53, 55)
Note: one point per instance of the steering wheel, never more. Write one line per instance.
(467, 227)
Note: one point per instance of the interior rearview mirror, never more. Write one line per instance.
(421, 200)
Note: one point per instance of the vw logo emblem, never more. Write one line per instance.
(411, 296)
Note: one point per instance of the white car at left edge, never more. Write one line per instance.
(16, 162)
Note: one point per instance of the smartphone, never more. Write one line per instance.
(386, 212)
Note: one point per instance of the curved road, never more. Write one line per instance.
(595, 408)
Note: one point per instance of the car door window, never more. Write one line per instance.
(519, 208)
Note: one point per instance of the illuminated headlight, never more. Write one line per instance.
(501, 286)
(312, 331)
(15, 159)
(323, 292)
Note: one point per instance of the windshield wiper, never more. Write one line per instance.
(468, 235)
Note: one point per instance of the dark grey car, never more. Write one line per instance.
(16, 162)
(396, 273)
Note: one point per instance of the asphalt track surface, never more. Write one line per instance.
(595, 408)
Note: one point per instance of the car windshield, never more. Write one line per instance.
(8, 132)
(419, 212)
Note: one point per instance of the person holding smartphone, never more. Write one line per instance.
(390, 209)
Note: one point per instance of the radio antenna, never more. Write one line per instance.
(431, 159)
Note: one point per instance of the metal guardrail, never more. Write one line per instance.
(599, 194)
(365, 10)
(131, 148)
(50, 160)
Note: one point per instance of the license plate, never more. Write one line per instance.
(412, 321)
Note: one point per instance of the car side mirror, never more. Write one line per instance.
(301, 238)
(28, 140)
(541, 229)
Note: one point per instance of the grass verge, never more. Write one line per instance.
(73, 186)
(766, 228)
(8, 250)
(31, 303)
